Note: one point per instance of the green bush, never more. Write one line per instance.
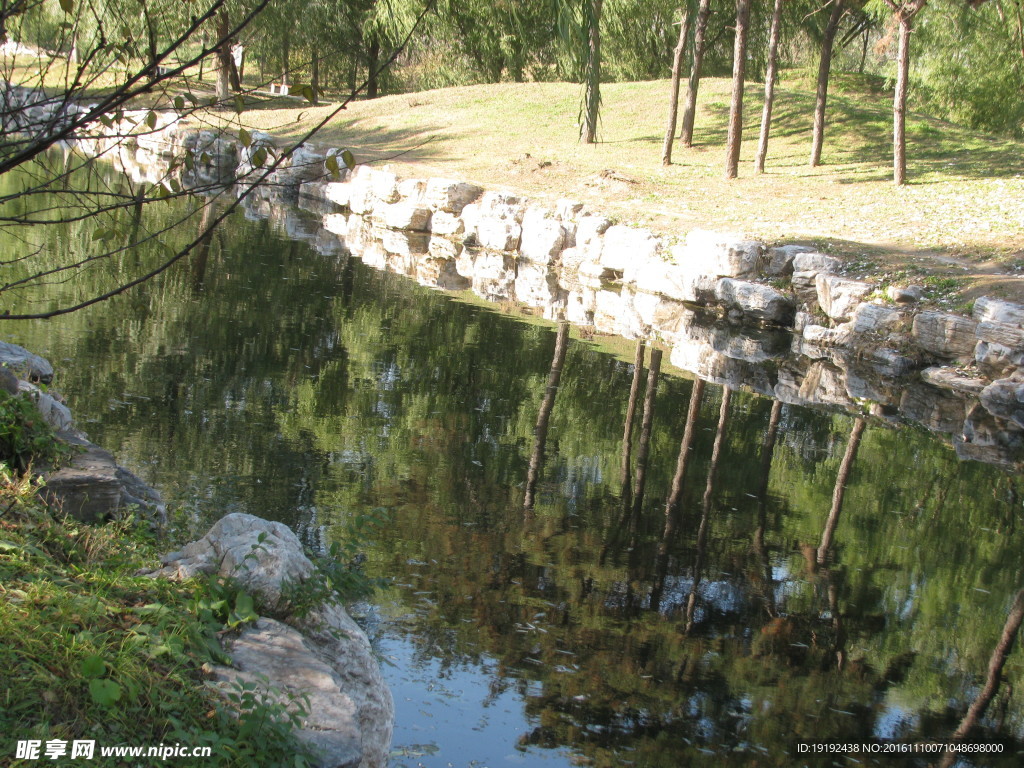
(25, 437)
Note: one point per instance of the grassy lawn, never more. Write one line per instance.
(962, 215)
(960, 219)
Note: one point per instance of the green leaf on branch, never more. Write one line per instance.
(259, 157)
(68, 6)
(348, 158)
(244, 137)
(151, 120)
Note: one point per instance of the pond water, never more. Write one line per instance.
(598, 625)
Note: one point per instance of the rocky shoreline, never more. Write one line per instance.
(785, 322)
(303, 651)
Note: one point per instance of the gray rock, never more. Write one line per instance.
(567, 209)
(450, 196)
(654, 275)
(820, 384)
(8, 381)
(329, 658)
(889, 362)
(996, 360)
(939, 410)
(781, 258)
(279, 663)
(445, 223)
(263, 557)
(947, 336)
(22, 362)
(624, 246)
(876, 319)
(905, 294)
(702, 359)
(989, 439)
(756, 301)
(93, 488)
(338, 192)
(536, 285)
(543, 236)
(407, 215)
(721, 255)
(813, 263)
(1005, 334)
(817, 340)
(590, 228)
(838, 297)
(988, 310)
(945, 377)
(54, 412)
(1005, 398)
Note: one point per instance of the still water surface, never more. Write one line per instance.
(595, 628)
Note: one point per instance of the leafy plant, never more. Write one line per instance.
(25, 437)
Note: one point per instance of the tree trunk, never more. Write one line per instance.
(286, 64)
(690, 106)
(899, 105)
(314, 79)
(627, 432)
(840, 490)
(769, 88)
(673, 97)
(592, 97)
(739, 69)
(373, 61)
(540, 431)
(821, 94)
(224, 61)
(646, 423)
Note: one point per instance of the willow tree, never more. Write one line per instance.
(579, 32)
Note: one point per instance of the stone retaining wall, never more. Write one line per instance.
(782, 321)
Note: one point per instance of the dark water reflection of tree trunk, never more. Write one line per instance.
(705, 514)
(646, 424)
(995, 675)
(627, 433)
(201, 255)
(840, 491)
(760, 550)
(540, 432)
(675, 494)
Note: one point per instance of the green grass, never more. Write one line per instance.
(90, 651)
